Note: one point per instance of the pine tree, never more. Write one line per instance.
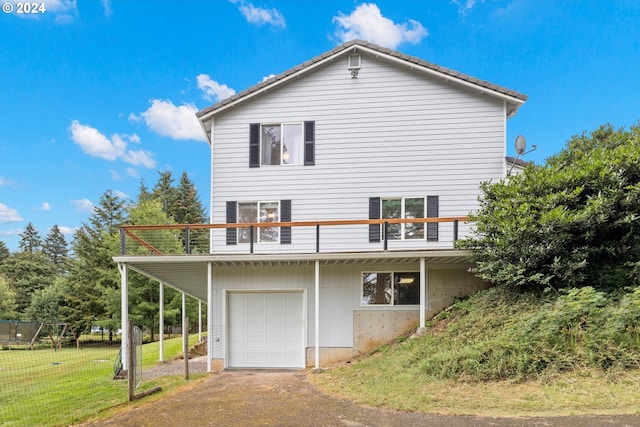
(188, 209)
(4, 251)
(26, 272)
(56, 249)
(93, 277)
(166, 193)
(30, 240)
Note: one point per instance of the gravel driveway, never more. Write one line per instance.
(287, 398)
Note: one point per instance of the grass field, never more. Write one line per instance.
(52, 388)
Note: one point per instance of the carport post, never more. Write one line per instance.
(124, 314)
(161, 325)
(199, 320)
(317, 316)
(210, 336)
(423, 292)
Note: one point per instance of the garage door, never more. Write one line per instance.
(265, 330)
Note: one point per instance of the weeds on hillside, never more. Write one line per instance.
(498, 335)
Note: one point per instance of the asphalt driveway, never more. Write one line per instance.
(287, 398)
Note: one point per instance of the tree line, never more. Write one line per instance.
(51, 280)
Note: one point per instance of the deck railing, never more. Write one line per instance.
(175, 239)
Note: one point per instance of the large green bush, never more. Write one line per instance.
(572, 222)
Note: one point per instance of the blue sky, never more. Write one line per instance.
(99, 94)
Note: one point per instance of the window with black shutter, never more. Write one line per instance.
(282, 144)
(232, 233)
(285, 216)
(374, 213)
(309, 143)
(432, 212)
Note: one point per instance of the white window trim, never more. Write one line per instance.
(282, 124)
(403, 215)
(393, 302)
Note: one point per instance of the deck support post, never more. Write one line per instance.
(317, 315)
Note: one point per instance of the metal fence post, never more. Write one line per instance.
(122, 241)
(130, 361)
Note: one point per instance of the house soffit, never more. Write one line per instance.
(188, 273)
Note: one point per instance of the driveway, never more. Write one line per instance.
(287, 398)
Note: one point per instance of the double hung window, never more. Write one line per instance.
(390, 288)
(281, 144)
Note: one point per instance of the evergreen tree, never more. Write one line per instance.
(144, 292)
(30, 240)
(165, 192)
(143, 193)
(93, 277)
(188, 207)
(25, 273)
(189, 210)
(7, 300)
(56, 249)
(4, 251)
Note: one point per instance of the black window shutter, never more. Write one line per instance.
(374, 213)
(432, 212)
(285, 216)
(309, 143)
(232, 233)
(254, 145)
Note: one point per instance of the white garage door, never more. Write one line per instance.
(266, 330)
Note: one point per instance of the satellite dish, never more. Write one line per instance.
(521, 144)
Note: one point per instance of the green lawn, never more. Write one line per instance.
(51, 388)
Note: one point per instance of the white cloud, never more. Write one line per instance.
(5, 182)
(96, 144)
(107, 7)
(464, 7)
(177, 122)
(14, 232)
(67, 231)
(132, 172)
(260, 16)
(212, 89)
(83, 205)
(121, 194)
(8, 214)
(367, 23)
(45, 206)
(268, 77)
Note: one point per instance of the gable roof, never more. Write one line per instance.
(515, 99)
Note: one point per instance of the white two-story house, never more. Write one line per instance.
(338, 189)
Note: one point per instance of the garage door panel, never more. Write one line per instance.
(266, 329)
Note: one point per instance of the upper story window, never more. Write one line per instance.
(390, 288)
(281, 144)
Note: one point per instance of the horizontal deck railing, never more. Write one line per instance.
(175, 239)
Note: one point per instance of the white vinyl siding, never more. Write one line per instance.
(390, 131)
